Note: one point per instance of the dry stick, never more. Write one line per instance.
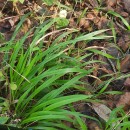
(17, 72)
(10, 17)
(51, 34)
(121, 26)
(29, 124)
(97, 47)
(94, 77)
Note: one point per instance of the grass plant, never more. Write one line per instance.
(36, 78)
(36, 75)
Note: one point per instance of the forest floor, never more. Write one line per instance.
(86, 16)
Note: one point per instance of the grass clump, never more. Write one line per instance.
(36, 77)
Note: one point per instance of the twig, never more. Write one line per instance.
(51, 34)
(17, 72)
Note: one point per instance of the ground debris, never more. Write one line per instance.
(102, 110)
(125, 64)
(124, 101)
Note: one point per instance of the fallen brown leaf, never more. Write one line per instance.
(111, 2)
(93, 126)
(26, 26)
(123, 42)
(84, 23)
(94, 3)
(125, 63)
(90, 16)
(124, 14)
(103, 23)
(102, 110)
(72, 22)
(127, 82)
(126, 5)
(124, 100)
